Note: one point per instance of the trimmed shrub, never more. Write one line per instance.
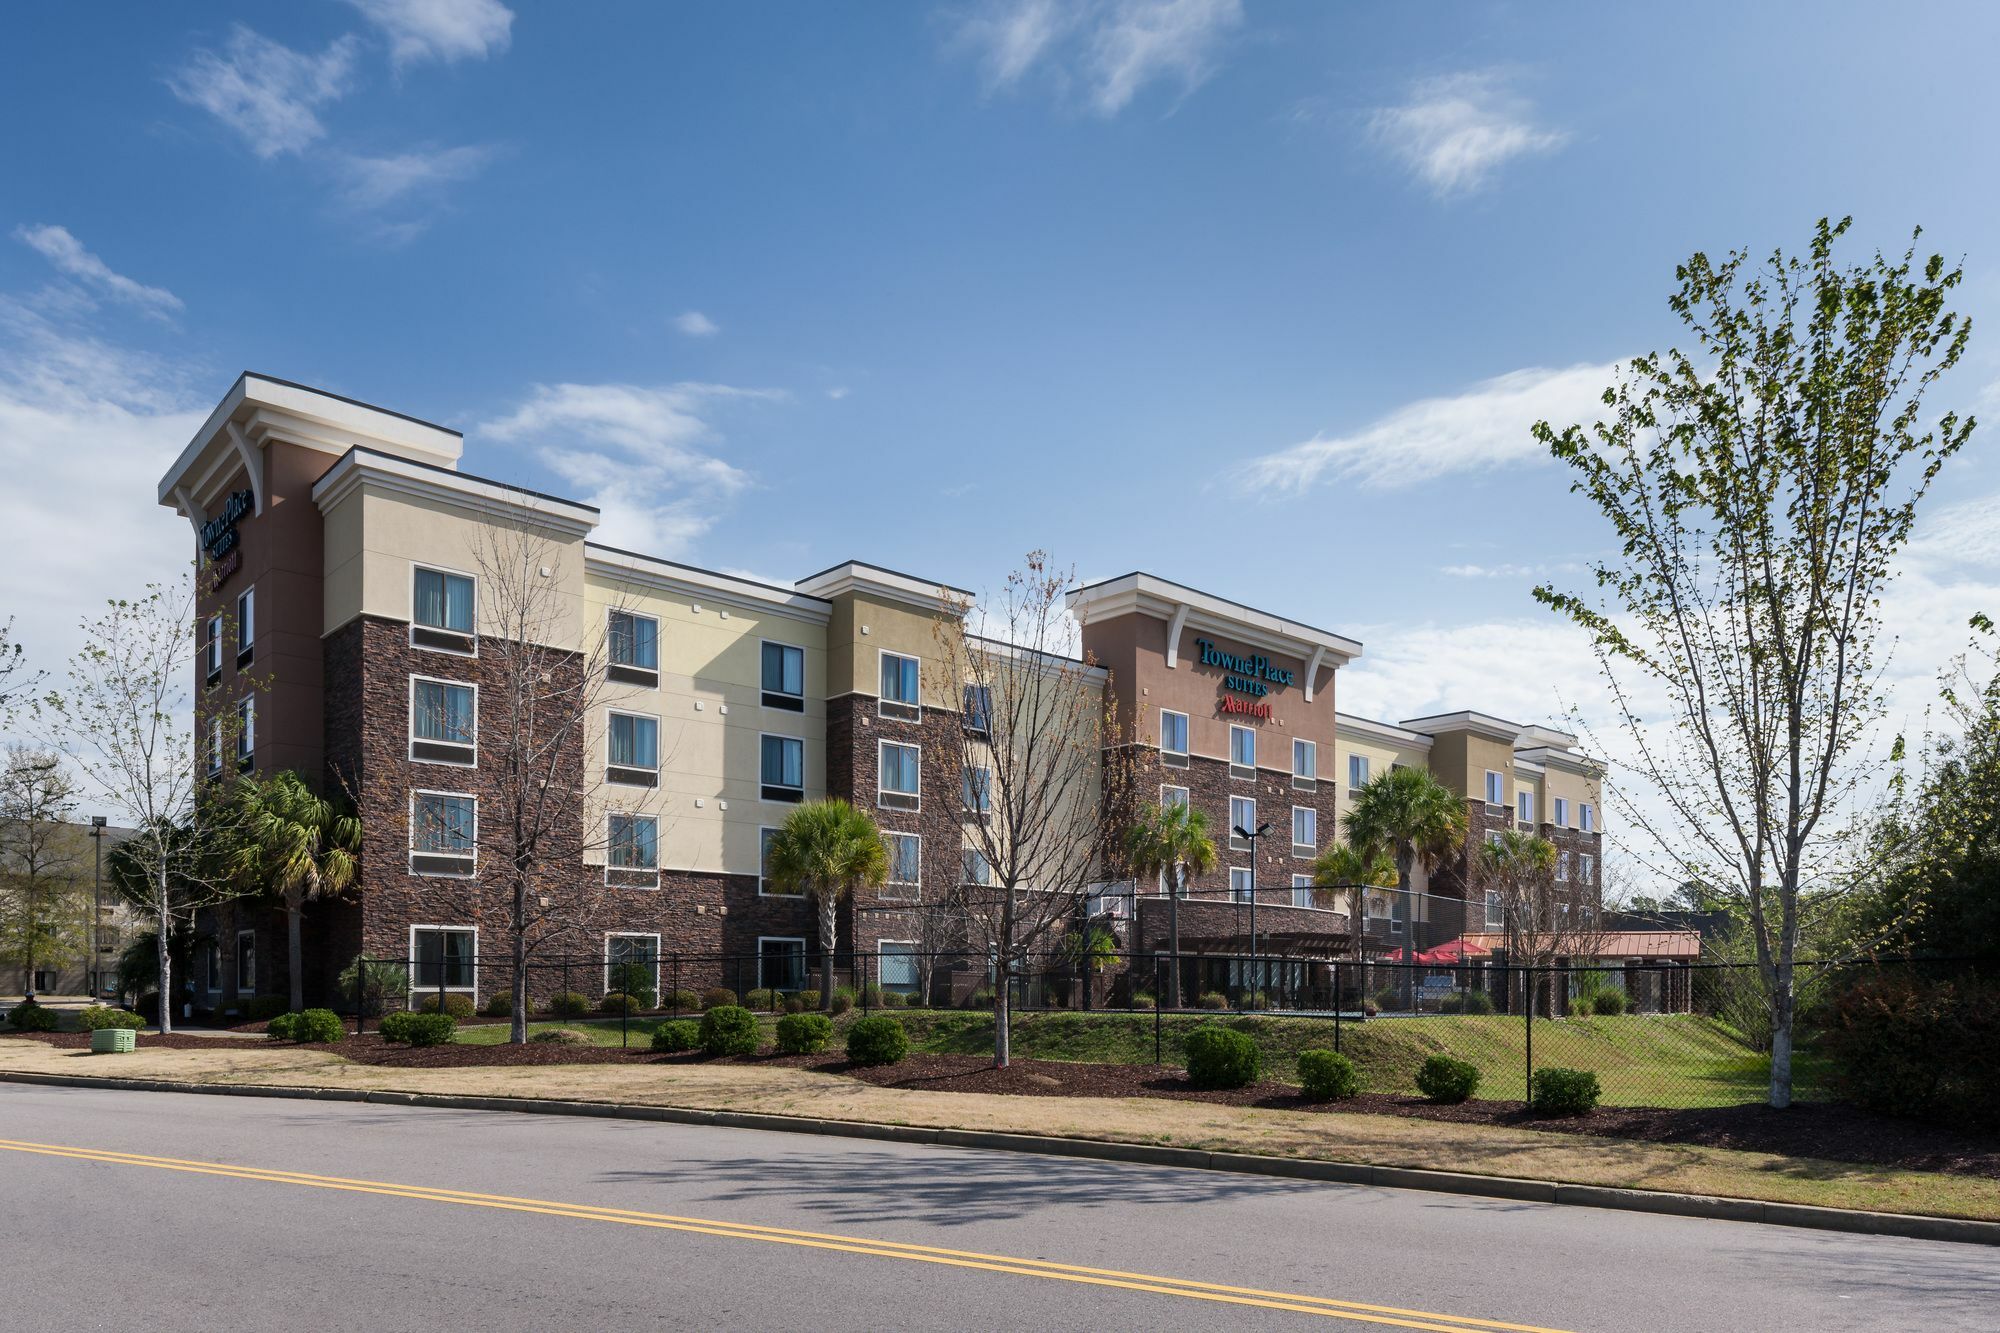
(716, 997)
(682, 1001)
(263, 1008)
(393, 1027)
(498, 1006)
(1144, 1001)
(1212, 1000)
(566, 1004)
(892, 999)
(562, 1037)
(617, 1002)
(317, 1025)
(676, 1035)
(102, 1016)
(458, 1006)
(1327, 1076)
(31, 1017)
(635, 980)
(1558, 1091)
(1445, 1079)
(1466, 1002)
(807, 999)
(843, 1000)
(877, 1040)
(804, 1034)
(282, 1027)
(1608, 1003)
(1220, 1057)
(763, 998)
(729, 1029)
(1924, 1048)
(431, 1029)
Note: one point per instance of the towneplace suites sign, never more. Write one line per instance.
(1246, 679)
(220, 540)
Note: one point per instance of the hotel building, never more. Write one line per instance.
(344, 621)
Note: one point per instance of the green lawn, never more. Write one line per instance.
(604, 1031)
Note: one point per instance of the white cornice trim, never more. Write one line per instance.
(853, 577)
(1567, 760)
(1379, 731)
(361, 467)
(606, 563)
(1479, 724)
(1145, 594)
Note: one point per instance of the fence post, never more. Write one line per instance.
(1159, 1005)
(862, 959)
(360, 994)
(1528, 992)
(677, 985)
(1336, 1004)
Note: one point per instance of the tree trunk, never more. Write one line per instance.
(295, 955)
(1172, 999)
(1784, 1005)
(165, 924)
(517, 1022)
(1002, 1036)
(829, 935)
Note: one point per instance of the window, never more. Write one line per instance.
(1496, 788)
(784, 677)
(632, 852)
(1496, 911)
(1171, 796)
(1357, 772)
(632, 963)
(444, 721)
(782, 768)
(445, 958)
(441, 612)
(1562, 867)
(444, 833)
(632, 642)
(900, 696)
(1240, 880)
(1305, 764)
(246, 731)
(906, 865)
(246, 962)
(1562, 812)
(632, 750)
(1242, 815)
(1302, 890)
(1586, 868)
(896, 786)
(1242, 752)
(1305, 830)
(781, 962)
(978, 712)
(899, 967)
(212, 650)
(978, 870)
(210, 964)
(1173, 738)
(246, 626)
(1587, 817)
(1493, 838)
(765, 885)
(214, 746)
(979, 790)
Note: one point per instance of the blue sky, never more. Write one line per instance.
(1260, 297)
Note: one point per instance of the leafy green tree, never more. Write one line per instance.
(1345, 873)
(1417, 820)
(300, 844)
(1759, 486)
(828, 849)
(1171, 840)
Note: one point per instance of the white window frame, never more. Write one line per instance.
(214, 746)
(1302, 890)
(984, 787)
(1184, 799)
(762, 692)
(1562, 812)
(609, 612)
(1496, 788)
(967, 853)
(881, 704)
(410, 862)
(212, 650)
(1496, 910)
(1249, 889)
(1586, 869)
(882, 793)
(763, 889)
(246, 626)
(652, 935)
(1311, 848)
(416, 565)
(1352, 771)
(1237, 844)
(417, 991)
(1493, 838)
(246, 731)
(610, 764)
(881, 947)
(805, 968)
(1243, 772)
(915, 886)
(1562, 866)
(1586, 814)
(1524, 805)
(1310, 749)
(210, 961)
(632, 872)
(241, 988)
(473, 762)
(1175, 758)
(799, 741)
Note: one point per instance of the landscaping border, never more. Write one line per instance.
(1912, 1226)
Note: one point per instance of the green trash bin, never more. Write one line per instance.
(113, 1041)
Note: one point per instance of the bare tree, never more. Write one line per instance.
(126, 719)
(17, 682)
(1036, 731)
(1547, 916)
(938, 929)
(44, 896)
(1759, 487)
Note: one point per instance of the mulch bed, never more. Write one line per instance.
(1810, 1129)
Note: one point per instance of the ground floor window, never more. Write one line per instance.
(208, 967)
(781, 962)
(1239, 883)
(632, 965)
(900, 967)
(442, 956)
(246, 962)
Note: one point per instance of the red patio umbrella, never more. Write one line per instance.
(1452, 951)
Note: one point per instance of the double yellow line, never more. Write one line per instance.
(1188, 1289)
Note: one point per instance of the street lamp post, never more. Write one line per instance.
(90, 971)
(1256, 971)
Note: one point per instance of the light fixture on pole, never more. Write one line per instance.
(91, 967)
(1251, 838)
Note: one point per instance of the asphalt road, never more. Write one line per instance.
(167, 1211)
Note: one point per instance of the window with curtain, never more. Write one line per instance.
(1305, 760)
(443, 958)
(634, 741)
(978, 708)
(1305, 826)
(1243, 747)
(899, 772)
(783, 763)
(784, 670)
(899, 685)
(444, 824)
(634, 842)
(445, 711)
(634, 640)
(1357, 772)
(1173, 732)
(443, 601)
(905, 859)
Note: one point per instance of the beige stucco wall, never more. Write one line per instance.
(1382, 755)
(862, 628)
(1576, 789)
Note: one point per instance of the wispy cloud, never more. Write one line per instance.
(641, 453)
(838, 392)
(1109, 51)
(370, 184)
(445, 30)
(1487, 426)
(696, 325)
(1457, 130)
(267, 93)
(67, 253)
(1505, 571)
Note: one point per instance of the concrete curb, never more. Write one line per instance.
(1915, 1227)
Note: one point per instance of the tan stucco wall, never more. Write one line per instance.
(862, 628)
(1382, 755)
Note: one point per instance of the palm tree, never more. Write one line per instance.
(1171, 840)
(1409, 814)
(828, 849)
(1349, 871)
(301, 844)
